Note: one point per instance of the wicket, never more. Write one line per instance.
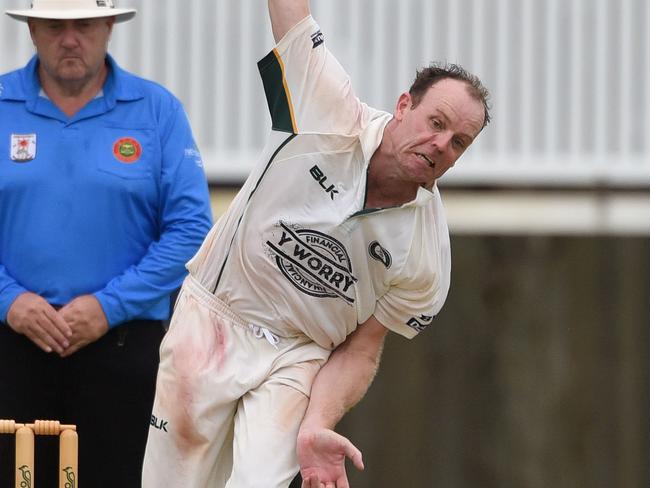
(24, 435)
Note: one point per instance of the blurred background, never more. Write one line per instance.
(536, 371)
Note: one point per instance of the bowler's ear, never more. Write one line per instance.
(403, 105)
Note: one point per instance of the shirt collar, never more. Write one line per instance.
(423, 196)
(24, 85)
(370, 139)
(372, 134)
(21, 85)
(119, 85)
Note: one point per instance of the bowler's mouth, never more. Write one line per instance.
(426, 158)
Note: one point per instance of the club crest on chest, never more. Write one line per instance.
(23, 147)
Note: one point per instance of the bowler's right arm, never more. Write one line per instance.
(285, 14)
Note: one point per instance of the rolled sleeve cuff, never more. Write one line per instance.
(389, 321)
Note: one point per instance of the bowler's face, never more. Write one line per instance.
(71, 51)
(435, 133)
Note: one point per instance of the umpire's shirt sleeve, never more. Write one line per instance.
(185, 218)
(9, 291)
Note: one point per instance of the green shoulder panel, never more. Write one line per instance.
(271, 71)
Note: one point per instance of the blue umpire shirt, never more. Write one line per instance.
(112, 201)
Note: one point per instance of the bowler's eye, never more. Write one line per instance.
(459, 143)
(436, 123)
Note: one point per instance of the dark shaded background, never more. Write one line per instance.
(535, 373)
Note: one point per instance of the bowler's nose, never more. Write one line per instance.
(441, 141)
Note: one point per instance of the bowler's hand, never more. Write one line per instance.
(36, 319)
(86, 319)
(322, 456)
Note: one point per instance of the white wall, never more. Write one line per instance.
(570, 78)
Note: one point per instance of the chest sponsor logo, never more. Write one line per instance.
(377, 252)
(127, 150)
(315, 263)
(320, 177)
(317, 38)
(23, 147)
(420, 323)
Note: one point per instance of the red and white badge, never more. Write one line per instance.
(127, 150)
(23, 147)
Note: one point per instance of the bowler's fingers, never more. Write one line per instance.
(312, 482)
(357, 460)
(354, 454)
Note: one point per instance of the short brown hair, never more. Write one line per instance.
(426, 77)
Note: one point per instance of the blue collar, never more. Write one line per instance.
(24, 85)
(119, 85)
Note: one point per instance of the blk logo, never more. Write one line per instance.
(159, 424)
(320, 177)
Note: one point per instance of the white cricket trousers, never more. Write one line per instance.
(230, 397)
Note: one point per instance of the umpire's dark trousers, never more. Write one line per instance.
(106, 389)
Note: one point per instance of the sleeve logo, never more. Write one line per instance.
(127, 150)
(420, 323)
(317, 38)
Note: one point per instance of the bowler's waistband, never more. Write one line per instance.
(203, 295)
(207, 298)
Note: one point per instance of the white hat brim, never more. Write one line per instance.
(120, 14)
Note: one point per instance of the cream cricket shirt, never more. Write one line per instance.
(296, 252)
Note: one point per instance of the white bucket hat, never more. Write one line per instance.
(72, 9)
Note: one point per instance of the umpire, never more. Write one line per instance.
(103, 198)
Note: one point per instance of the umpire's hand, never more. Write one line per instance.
(86, 319)
(33, 317)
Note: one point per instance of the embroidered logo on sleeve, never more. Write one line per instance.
(23, 147)
(127, 150)
(420, 323)
(317, 38)
(193, 153)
